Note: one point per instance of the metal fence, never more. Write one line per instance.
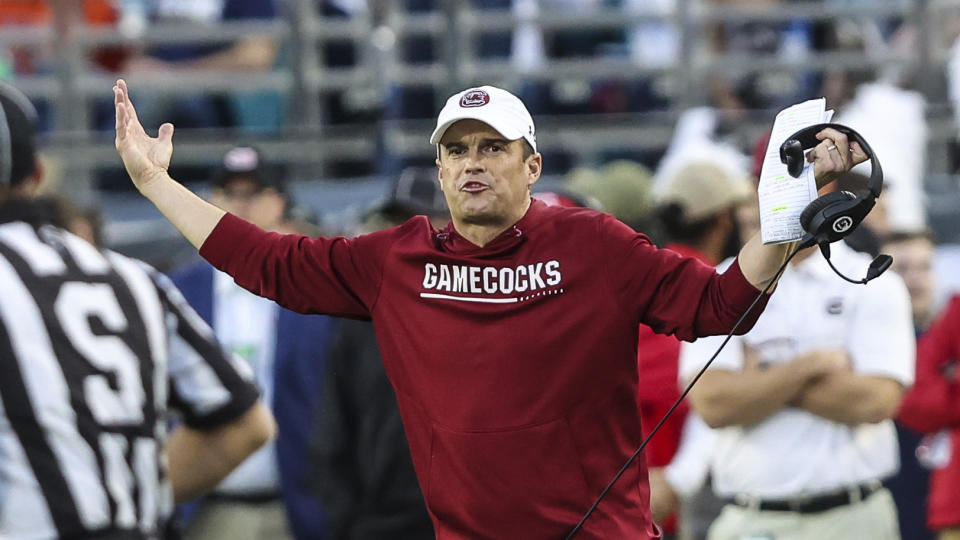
(310, 143)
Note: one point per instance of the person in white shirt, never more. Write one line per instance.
(265, 498)
(802, 405)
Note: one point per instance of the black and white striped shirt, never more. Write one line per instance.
(93, 348)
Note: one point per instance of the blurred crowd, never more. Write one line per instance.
(769, 61)
(340, 468)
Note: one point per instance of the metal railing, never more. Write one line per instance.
(309, 143)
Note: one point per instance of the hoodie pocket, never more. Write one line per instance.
(523, 483)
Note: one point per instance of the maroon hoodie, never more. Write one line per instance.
(514, 364)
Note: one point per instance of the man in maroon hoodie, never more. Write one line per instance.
(510, 336)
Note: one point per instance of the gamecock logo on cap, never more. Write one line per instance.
(475, 98)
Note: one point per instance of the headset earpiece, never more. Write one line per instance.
(791, 153)
(821, 203)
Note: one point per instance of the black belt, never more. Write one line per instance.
(245, 498)
(107, 534)
(812, 504)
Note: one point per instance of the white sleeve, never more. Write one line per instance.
(687, 471)
(881, 340)
(207, 385)
(694, 355)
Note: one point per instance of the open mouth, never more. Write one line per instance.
(473, 186)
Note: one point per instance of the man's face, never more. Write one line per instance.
(245, 199)
(483, 176)
(236, 196)
(913, 260)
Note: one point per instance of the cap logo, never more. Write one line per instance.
(842, 224)
(241, 159)
(474, 98)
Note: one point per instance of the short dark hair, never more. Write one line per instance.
(679, 228)
(527, 150)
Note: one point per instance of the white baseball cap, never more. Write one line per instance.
(493, 106)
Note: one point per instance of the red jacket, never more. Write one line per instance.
(933, 404)
(514, 364)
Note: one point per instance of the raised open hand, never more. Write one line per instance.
(146, 158)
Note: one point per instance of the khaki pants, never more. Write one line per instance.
(229, 520)
(952, 533)
(874, 518)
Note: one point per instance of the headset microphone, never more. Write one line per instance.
(878, 266)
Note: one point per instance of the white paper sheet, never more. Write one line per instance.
(783, 197)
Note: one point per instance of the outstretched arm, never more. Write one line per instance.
(147, 160)
(831, 158)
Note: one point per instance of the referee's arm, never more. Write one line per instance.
(199, 460)
(224, 419)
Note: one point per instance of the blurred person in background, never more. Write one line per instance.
(66, 17)
(927, 419)
(733, 96)
(362, 470)
(802, 405)
(622, 188)
(96, 349)
(565, 198)
(268, 496)
(83, 221)
(885, 107)
(913, 253)
(697, 207)
(253, 53)
(31, 60)
(87, 223)
(933, 407)
(684, 485)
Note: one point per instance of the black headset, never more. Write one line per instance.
(835, 215)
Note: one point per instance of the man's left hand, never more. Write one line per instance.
(834, 156)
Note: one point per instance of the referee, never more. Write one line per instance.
(93, 348)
